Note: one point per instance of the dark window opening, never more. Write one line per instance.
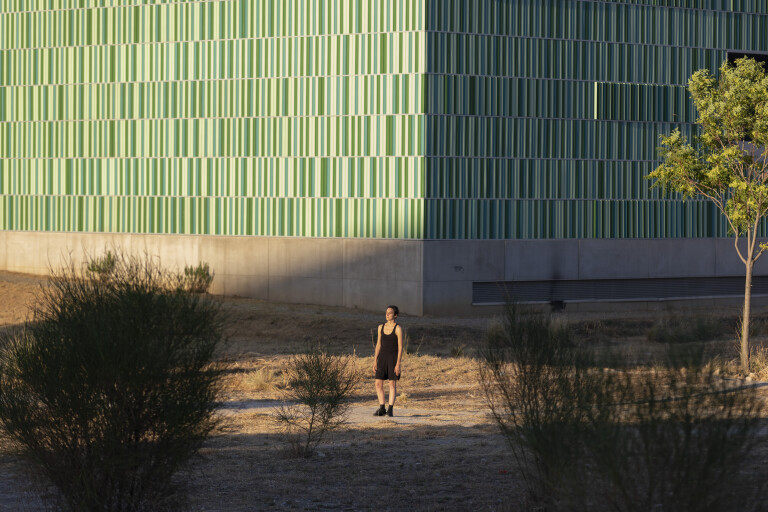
(759, 57)
(558, 293)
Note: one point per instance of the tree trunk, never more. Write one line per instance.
(745, 318)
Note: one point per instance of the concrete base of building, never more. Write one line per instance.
(422, 277)
(452, 268)
(354, 273)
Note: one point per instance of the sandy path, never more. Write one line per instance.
(361, 416)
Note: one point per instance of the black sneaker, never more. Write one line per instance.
(389, 411)
(380, 411)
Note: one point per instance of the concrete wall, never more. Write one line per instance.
(367, 274)
(450, 267)
(422, 277)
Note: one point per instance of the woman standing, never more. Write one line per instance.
(386, 360)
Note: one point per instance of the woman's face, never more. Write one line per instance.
(390, 314)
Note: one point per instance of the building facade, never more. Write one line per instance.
(438, 154)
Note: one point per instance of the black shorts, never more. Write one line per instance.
(385, 367)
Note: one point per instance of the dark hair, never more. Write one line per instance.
(395, 309)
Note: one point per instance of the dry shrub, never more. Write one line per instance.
(317, 398)
(110, 389)
(586, 436)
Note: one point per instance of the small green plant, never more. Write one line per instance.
(111, 387)
(102, 266)
(317, 398)
(198, 279)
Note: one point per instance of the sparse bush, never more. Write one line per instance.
(110, 388)
(587, 436)
(458, 350)
(317, 398)
(197, 279)
(538, 393)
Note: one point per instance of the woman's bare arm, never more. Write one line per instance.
(378, 347)
(399, 332)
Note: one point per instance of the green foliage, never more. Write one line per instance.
(590, 437)
(317, 399)
(110, 389)
(729, 161)
(102, 266)
(197, 279)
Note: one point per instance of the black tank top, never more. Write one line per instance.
(389, 341)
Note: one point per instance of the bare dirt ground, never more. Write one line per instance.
(441, 450)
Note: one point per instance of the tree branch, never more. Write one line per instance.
(738, 251)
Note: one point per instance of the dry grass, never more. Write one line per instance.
(247, 380)
(759, 362)
(725, 362)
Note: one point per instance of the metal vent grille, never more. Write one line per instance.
(613, 290)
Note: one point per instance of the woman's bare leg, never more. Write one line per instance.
(392, 392)
(380, 391)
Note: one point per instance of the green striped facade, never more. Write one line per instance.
(257, 118)
(412, 119)
(544, 116)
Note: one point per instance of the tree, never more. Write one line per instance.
(728, 161)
